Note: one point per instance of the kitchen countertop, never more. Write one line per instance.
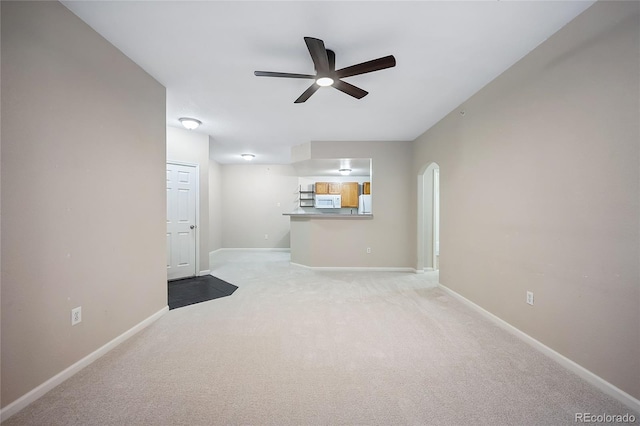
(329, 216)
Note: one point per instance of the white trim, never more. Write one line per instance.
(205, 272)
(197, 167)
(250, 249)
(213, 253)
(421, 226)
(355, 268)
(570, 365)
(65, 374)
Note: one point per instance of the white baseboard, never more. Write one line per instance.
(249, 249)
(354, 268)
(570, 365)
(322, 268)
(205, 272)
(423, 270)
(213, 253)
(45, 387)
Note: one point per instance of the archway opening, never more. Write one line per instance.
(429, 218)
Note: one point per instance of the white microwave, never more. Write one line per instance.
(328, 201)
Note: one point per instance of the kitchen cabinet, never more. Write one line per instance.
(366, 188)
(349, 194)
(327, 188)
(322, 187)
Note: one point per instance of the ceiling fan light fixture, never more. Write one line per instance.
(190, 123)
(345, 172)
(247, 157)
(324, 81)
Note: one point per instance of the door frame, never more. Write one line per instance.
(197, 169)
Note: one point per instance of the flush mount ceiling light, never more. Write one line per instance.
(344, 172)
(190, 123)
(324, 81)
(248, 157)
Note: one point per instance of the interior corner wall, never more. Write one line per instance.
(255, 198)
(187, 146)
(540, 188)
(389, 233)
(83, 197)
(215, 201)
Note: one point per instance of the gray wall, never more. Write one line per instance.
(215, 201)
(83, 198)
(187, 146)
(540, 192)
(389, 233)
(250, 195)
(250, 198)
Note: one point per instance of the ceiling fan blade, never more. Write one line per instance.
(282, 74)
(318, 54)
(350, 89)
(369, 66)
(307, 93)
(331, 56)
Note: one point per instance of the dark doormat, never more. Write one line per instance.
(197, 289)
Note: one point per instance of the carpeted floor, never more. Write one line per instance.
(189, 291)
(299, 347)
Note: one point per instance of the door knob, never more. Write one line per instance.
(192, 226)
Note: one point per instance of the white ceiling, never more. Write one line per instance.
(205, 52)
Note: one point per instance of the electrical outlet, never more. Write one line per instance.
(76, 315)
(266, 236)
(530, 298)
(368, 250)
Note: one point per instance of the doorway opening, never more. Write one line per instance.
(428, 250)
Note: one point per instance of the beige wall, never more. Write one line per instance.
(250, 198)
(190, 147)
(343, 243)
(540, 192)
(83, 151)
(215, 202)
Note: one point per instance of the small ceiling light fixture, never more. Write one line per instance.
(344, 172)
(248, 157)
(190, 123)
(324, 81)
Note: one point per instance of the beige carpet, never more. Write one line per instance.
(294, 346)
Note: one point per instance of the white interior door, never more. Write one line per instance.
(181, 221)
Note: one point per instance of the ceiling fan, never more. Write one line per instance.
(326, 73)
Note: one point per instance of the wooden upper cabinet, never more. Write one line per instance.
(366, 188)
(328, 188)
(349, 194)
(335, 188)
(322, 187)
